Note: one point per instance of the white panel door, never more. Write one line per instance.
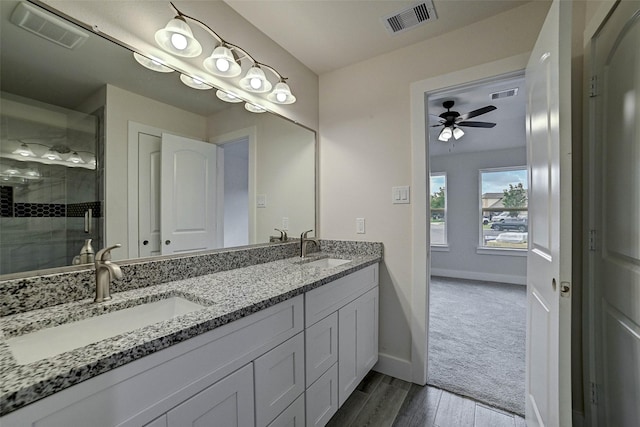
(188, 183)
(149, 156)
(548, 81)
(617, 205)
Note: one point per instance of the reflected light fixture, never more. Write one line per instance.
(254, 108)
(194, 82)
(24, 151)
(457, 133)
(151, 63)
(177, 38)
(51, 155)
(75, 158)
(225, 60)
(227, 96)
(445, 134)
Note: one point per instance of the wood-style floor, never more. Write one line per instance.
(384, 401)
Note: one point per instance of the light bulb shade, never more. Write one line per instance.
(177, 38)
(75, 158)
(227, 96)
(222, 63)
(51, 155)
(194, 82)
(152, 64)
(254, 108)
(458, 133)
(255, 81)
(445, 134)
(281, 94)
(24, 151)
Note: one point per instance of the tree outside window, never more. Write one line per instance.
(438, 205)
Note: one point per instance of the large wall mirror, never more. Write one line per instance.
(94, 146)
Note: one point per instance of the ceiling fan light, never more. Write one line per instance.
(281, 94)
(445, 134)
(151, 63)
(222, 63)
(177, 38)
(227, 96)
(24, 151)
(255, 81)
(194, 82)
(458, 133)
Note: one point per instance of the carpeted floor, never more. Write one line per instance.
(477, 340)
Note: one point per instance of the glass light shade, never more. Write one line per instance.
(227, 96)
(75, 158)
(32, 173)
(24, 151)
(254, 108)
(51, 155)
(222, 63)
(281, 94)
(255, 81)
(194, 82)
(445, 135)
(177, 38)
(458, 133)
(152, 64)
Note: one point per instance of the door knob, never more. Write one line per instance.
(145, 242)
(167, 242)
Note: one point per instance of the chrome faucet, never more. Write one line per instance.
(106, 271)
(283, 236)
(303, 243)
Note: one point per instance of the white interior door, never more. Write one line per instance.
(188, 199)
(548, 81)
(149, 194)
(617, 216)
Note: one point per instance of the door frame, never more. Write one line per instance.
(250, 133)
(420, 249)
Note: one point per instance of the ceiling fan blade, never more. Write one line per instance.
(478, 112)
(476, 124)
(435, 119)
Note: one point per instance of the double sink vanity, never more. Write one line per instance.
(252, 336)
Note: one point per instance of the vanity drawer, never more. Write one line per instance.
(293, 416)
(321, 347)
(322, 301)
(322, 398)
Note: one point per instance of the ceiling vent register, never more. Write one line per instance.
(47, 26)
(410, 17)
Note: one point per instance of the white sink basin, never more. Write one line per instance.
(49, 342)
(327, 262)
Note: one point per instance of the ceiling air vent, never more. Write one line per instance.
(48, 26)
(504, 93)
(410, 17)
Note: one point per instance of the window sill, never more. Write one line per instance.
(439, 248)
(501, 251)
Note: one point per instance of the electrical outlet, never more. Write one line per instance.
(360, 226)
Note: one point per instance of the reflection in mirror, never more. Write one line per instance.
(260, 172)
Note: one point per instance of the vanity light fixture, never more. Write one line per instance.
(254, 108)
(75, 158)
(227, 96)
(194, 82)
(51, 155)
(225, 60)
(151, 63)
(177, 38)
(24, 151)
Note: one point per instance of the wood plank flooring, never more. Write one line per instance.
(384, 401)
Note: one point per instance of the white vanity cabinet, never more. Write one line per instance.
(341, 328)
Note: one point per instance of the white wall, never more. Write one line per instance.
(122, 107)
(462, 260)
(365, 149)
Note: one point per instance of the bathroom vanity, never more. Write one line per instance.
(272, 343)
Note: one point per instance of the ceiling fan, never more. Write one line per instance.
(451, 120)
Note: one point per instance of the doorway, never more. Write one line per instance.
(477, 309)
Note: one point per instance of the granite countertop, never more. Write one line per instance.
(227, 296)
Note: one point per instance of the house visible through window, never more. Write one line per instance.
(504, 221)
(438, 199)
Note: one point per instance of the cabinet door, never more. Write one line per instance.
(321, 347)
(293, 416)
(227, 403)
(322, 398)
(279, 376)
(357, 341)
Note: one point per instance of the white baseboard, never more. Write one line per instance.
(393, 366)
(472, 275)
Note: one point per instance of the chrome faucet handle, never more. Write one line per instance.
(105, 253)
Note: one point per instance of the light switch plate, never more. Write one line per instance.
(400, 195)
(261, 200)
(360, 226)
(285, 223)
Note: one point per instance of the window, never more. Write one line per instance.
(438, 202)
(503, 205)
